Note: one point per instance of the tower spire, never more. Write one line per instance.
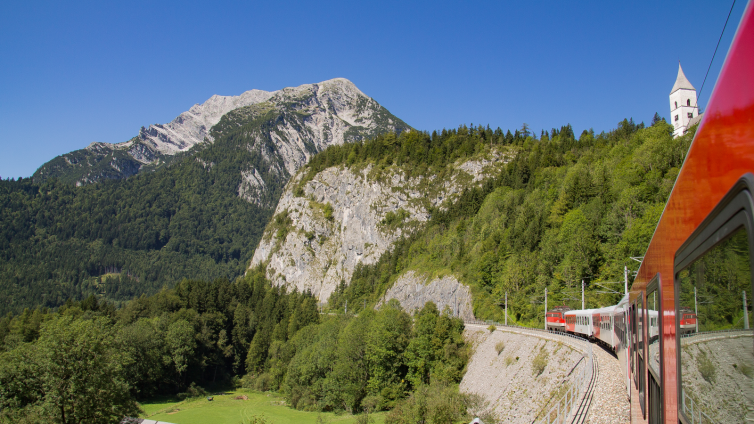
(681, 82)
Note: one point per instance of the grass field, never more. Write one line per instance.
(225, 409)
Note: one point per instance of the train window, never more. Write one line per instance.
(716, 346)
(641, 362)
(654, 351)
(653, 331)
(713, 286)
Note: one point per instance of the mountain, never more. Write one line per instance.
(345, 216)
(198, 213)
(330, 112)
(465, 217)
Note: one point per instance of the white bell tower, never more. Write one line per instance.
(683, 107)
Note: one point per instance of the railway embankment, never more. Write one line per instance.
(520, 373)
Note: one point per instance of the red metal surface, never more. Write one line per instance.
(722, 151)
(596, 325)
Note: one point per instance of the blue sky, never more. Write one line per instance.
(75, 73)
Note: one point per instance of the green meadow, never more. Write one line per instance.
(226, 409)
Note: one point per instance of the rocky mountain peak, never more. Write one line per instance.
(309, 118)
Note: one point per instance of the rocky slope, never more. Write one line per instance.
(302, 121)
(413, 290)
(324, 227)
(528, 374)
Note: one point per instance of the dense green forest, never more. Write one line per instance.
(90, 362)
(562, 211)
(123, 238)
(180, 217)
(120, 239)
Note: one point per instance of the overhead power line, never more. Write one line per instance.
(713, 54)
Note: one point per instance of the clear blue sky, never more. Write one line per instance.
(71, 74)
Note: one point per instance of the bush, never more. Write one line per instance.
(539, 363)
(499, 347)
(255, 419)
(193, 391)
(706, 367)
(328, 211)
(492, 328)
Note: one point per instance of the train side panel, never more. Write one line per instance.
(721, 154)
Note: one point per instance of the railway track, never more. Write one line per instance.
(582, 411)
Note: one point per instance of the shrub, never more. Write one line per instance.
(499, 347)
(539, 363)
(193, 391)
(705, 367)
(328, 211)
(255, 419)
(492, 328)
(744, 369)
(509, 360)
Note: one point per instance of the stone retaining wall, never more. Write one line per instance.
(509, 380)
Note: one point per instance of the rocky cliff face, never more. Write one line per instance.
(343, 217)
(413, 290)
(292, 124)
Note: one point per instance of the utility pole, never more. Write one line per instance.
(506, 308)
(696, 312)
(582, 294)
(746, 313)
(346, 307)
(545, 308)
(625, 280)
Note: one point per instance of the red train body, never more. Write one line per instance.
(555, 319)
(696, 365)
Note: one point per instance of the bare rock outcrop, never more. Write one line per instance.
(343, 217)
(413, 290)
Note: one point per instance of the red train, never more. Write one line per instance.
(555, 319)
(696, 365)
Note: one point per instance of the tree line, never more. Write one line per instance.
(89, 361)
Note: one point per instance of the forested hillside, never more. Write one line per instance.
(200, 216)
(214, 335)
(565, 209)
(119, 239)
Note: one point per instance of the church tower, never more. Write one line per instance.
(683, 107)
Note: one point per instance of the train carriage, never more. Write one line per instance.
(580, 322)
(684, 365)
(688, 362)
(555, 319)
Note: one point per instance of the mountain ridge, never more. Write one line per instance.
(159, 144)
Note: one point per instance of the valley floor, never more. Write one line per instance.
(226, 409)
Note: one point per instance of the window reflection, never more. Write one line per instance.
(717, 354)
(653, 331)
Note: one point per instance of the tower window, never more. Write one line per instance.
(688, 102)
(676, 105)
(691, 115)
(676, 117)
